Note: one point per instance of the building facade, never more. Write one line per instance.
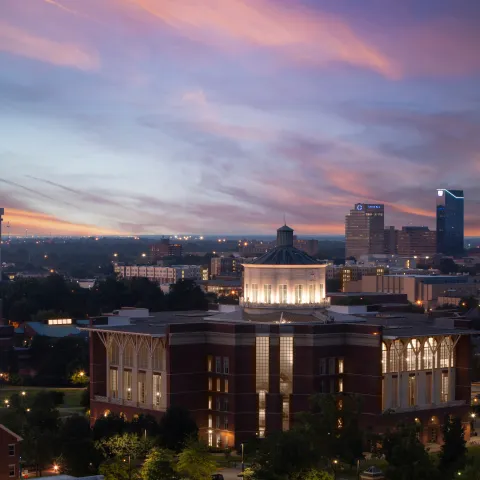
(364, 230)
(225, 266)
(416, 241)
(284, 277)
(162, 275)
(9, 454)
(242, 380)
(450, 222)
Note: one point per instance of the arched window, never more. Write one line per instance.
(384, 358)
(128, 354)
(396, 349)
(445, 350)
(429, 353)
(411, 356)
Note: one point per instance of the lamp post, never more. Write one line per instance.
(243, 458)
(334, 467)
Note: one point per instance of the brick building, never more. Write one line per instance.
(9, 454)
(244, 375)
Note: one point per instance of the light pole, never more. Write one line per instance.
(334, 467)
(243, 457)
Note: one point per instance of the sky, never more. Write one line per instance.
(221, 116)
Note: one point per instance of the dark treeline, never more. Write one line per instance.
(38, 299)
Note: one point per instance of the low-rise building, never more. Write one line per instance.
(9, 454)
(162, 275)
(225, 266)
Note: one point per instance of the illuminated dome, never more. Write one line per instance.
(284, 278)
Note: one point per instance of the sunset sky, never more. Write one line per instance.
(220, 116)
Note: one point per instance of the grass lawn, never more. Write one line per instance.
(72, 395)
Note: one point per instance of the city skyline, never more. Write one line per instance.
(140, 117)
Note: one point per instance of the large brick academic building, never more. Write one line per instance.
(242, 379)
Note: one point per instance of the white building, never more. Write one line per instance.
(284, 277)
(162, 275)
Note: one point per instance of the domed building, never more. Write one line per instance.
(284, 278)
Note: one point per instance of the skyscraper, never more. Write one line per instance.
(364, 230)
(450, 221)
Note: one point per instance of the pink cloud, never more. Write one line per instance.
(300, 33)
(17, 41)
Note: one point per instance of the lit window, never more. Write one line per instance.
(114, 383)
(445, 350)
(444, 389)
(340, 385)
(340, 365)
(285, 414)
(262, 357)
(339, 423)
(429, 347)
(113, 353)
(128, 354)
(413, 348)
(210, 421)
(340, 404)
(210, 402)
(210, 439)
(209, 363)
(226, 385)
(267, 294)
(384, 358)
(286, 365)
(254, 293)
(311, 294)
(396, 350)
(127, 384)
(412, 390)
(298, 294)
(210, 384)
(157, 392)
(282, 294)
(141, 377)
(143, 355)
(218, 385)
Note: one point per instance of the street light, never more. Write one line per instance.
(243, 462)
(335, 463)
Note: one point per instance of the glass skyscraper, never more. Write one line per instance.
(450, 221)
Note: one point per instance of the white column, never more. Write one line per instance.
(121, 348)
(135, 369)
(149, 381)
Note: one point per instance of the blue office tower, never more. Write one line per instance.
(450, 221)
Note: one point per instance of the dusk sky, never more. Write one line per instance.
(220, 116)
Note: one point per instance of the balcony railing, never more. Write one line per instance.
(416, 408)
(127, 403)
(322, 304)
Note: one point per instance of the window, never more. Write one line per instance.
(113, 353)
(261, 419)
(158, 357)
(127, 384)
(323, 366)
(286, 365)
(331, 366)
(445, 349)
(285, 414)
(11, 450)
(340, 405)
(254, 293)
(394, 392)
(396, 349)
(262, 356)
(210, 439)
(141, 377)
(384, 358)
(11, 470)
(210, 384)
(217, 422)
(267, 294)
(444, 388)
(340, 385)
(226, 365)
(226, 386)
(128, 355)
(143, 356)
(218, 385)
(225, 404)
(428, 389)
(225, 423)
(209, 363)
(210, 421)
(218, 364)
(339, 423)
(210, 402)
(311, 294)
(412, 390)
(157, 391)
(411, 356)
(428, 354)
(298, 293)
(282, 294)
(114, 383)
(217, 404)
(340, 365)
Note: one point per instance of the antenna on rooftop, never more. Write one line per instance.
(284, 218)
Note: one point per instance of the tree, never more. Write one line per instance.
(176, 427)
(453, 454)
(121, 446)
(316, 475)
(115, 470)
(406, 456)
(472, 471)
(159, 465)
(80, 378)
(186, 295)
(80, 457)
(109, 426)
(195, 462)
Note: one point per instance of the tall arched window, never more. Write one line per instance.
(445, 350)
(396, 349)
(411, 356)
(384, 358)
(429, 353)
